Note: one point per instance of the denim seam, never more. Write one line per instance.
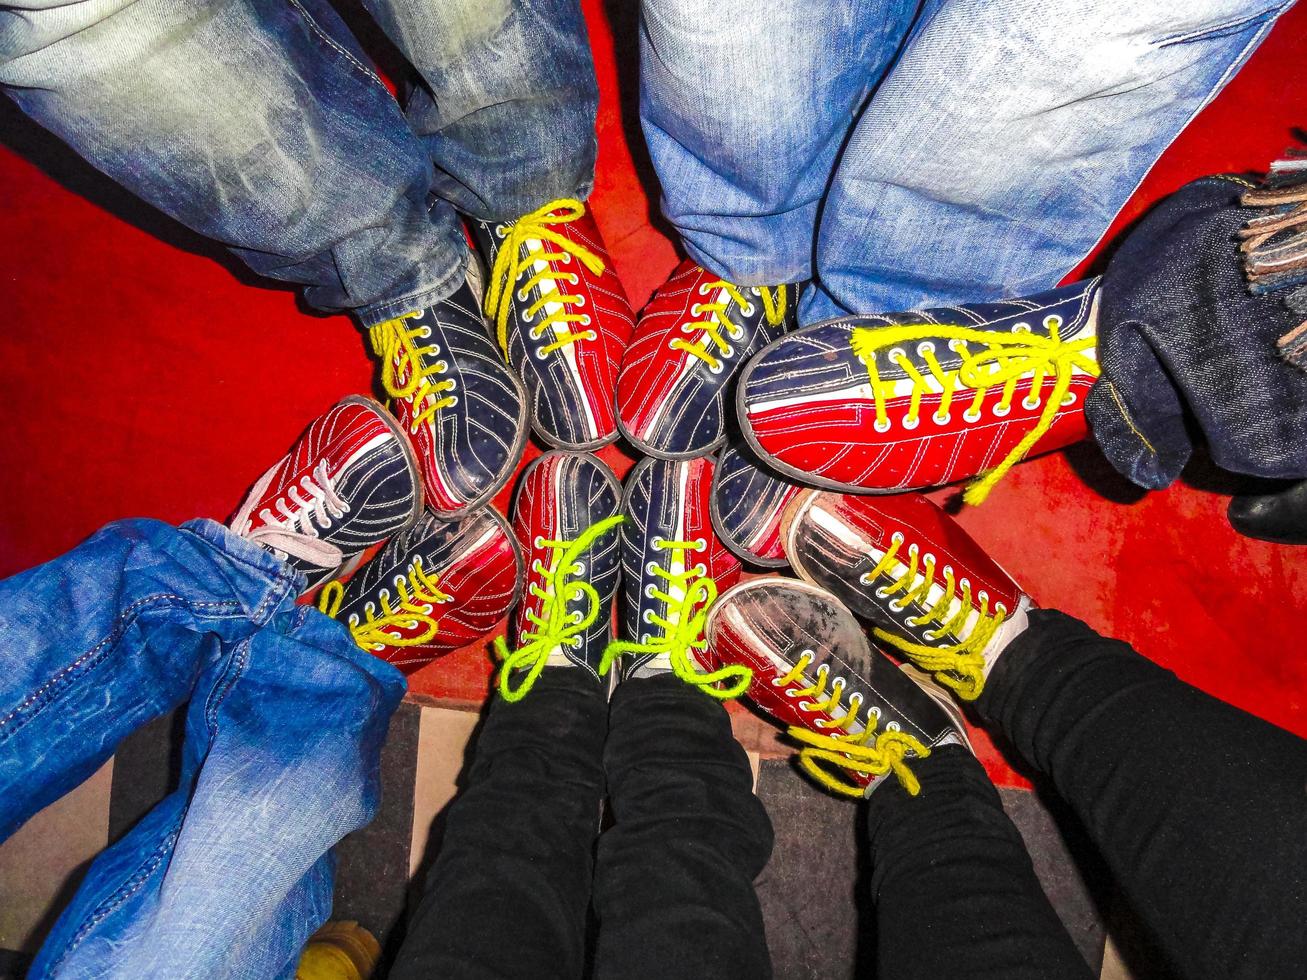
(48, 692)
(235, 668)
(281, 580)
(1125, 416)
(313, 25)
(1217, 30)
(126, 890)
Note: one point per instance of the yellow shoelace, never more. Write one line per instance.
(868, 752)
(1005, 360)
(682, 629)
(413, 605)
(396, 345)
(554, 626)
(717, 329)
(510, 265)
(960, 665)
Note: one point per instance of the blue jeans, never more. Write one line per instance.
(906, 153)
(231, 873)
(261, 124)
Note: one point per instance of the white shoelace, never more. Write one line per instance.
(306, 507)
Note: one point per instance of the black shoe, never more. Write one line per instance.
(1280, 516)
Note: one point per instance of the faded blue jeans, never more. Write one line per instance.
(230, 874)
(261, 124)
(906, 153)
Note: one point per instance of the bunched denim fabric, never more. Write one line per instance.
(262, 125)
(1188, 352)
(231, 873)
(910, 154)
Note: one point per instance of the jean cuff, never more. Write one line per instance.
(283, 580)
(370, 316)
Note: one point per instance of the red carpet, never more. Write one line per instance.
(145, 374)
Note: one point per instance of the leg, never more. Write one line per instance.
(1197, 806)
(1044, 122)
(745, 108)
(955, 892)
(256, 123)
(231, 874)
(506, 100)
(117, 632)
(674, 884)
(508, 893)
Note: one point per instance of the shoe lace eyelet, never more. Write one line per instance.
(1001, 410)
(971, 416)
(647, 616)
(521, 296)
(1030, 404)
(580, 302)
(924, 348)
(748, 310)
(881, 425)
(911, 423)
(1022, 327)
(944, 419)
(717, 368)
(1069, 398)
(585, 321)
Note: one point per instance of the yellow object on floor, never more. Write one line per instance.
(339, 951)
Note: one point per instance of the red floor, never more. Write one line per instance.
(146, 375)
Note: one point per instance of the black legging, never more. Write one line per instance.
(672, 879)
(1199, 809)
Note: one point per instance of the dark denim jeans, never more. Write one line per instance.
(262, 125)
(1189, 354)
(231, 873)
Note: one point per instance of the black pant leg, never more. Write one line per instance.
(674, 883)
(956, 895)
(1200, 809)
(508, 893)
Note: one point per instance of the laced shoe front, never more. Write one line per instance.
(934, 594)
(858, 718)
(678, 375)
(747, 503)
(462, 407)
(562, 319)
(566, 516)
(436, 587)
(349, 483)
(919, 399)
(673, 566)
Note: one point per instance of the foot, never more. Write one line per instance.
(460, 404)
(859, 718)
(674, 392)
(747, 502)
(561, 319)
(905, 565)
(349, 483)
(566, 518)
(1279, 516)
(436, 587)
(673, 566)
(919, 399)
